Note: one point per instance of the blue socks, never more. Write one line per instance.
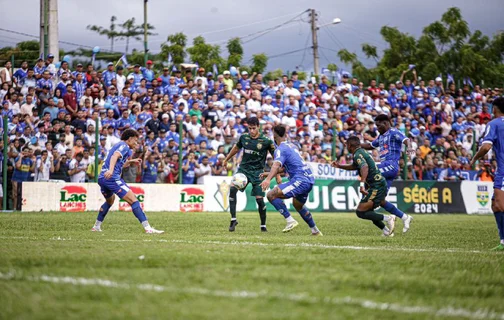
(103, 211)
(138, 212)
(307, 217)
(499, 219)
(281, 207)
(389, 207)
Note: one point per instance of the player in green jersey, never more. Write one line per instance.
(255, 148)
(373, 186)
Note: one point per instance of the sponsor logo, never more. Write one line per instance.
(140, 195)
(259, 146)
(222, 195)
(191, 200)
(73, 198)
(482, 195)
(427, 200)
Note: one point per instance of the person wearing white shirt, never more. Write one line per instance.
(44, 167)
(120, 79)
(291, 91)
(204, 170)
(253, 104)
(267, 107)
(27, 107)
(77, 169)
(288, 119)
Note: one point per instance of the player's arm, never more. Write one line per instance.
(409, 149)
(483, 150)
(234, 150)
(367, 146)
(347, 167)
(113, 161)
(273, 173)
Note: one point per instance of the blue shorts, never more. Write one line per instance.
(498, 183)
(109, 187)
(388, 171)
(297, 188)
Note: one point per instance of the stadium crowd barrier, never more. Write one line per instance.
(472, 197)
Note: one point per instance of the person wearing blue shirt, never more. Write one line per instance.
(147, 71)
(45, 81)
(390, 144)
(494, 138)
(24, 165)
(188, 169)
(112, 184)
(21, 73)
(453, 173)
(151, 168)
(109, 74)
(298, 187)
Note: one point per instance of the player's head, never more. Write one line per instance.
(353, 143)
(253, 126)
(382, 123)
(130, 136)
(498, 107)
(279, 133)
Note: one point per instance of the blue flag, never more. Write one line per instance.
(412, 66)
(197, 65)
(170, 59)
(174, 68)
(449, 79)
(324, 70)
(469, 82)
(215, 70)
(124, 60)
(41, 56)
(93, 57)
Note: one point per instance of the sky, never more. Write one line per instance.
(222, 20)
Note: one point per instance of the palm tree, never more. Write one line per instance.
(110, 33)
(130, 30)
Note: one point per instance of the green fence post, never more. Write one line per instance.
(181, 132)
(4, 162)
(96, 153)
(334, 142)
(405, 157)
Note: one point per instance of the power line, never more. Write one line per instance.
(37, 37)
(306, 49)
(266, 31)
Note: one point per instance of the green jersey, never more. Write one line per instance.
(361, 159)
(255, 152)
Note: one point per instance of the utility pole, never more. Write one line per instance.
(49, 37)
(316, 64)
(146, 54)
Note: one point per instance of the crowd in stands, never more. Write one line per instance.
(53, 113)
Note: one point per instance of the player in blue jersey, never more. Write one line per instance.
(390, 144)
(494, 137)
(298, 187)
(111, 183)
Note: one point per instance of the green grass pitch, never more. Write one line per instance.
(53, 267)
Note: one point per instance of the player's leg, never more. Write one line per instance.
(259, 195)
(275, 197)
(299, 204)
(365, 210)
(233, 191)
(498, 209)
(127, 195)
(389, 172)
(105, 207)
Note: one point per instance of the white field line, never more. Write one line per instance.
(297, 297)
(260, 244)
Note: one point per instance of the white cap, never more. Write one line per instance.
(226, 72)
(244, 72)
(165, 116)
(185, 92)
(438, 79)
(268, 97)
(436, 100)
(193, 91)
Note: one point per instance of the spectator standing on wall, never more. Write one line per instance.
(24, 165)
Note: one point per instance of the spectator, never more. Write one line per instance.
(24, 164)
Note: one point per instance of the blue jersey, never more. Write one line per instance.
(494, 134)
(390, 144)
(125, 152)
(288, 156)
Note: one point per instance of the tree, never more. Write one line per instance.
(204, 54)
(23, 51)
(111, 33)
(275, 74)
(332, 67)
(445, 46)
(259, 62)
(131, 30)
(235, 50)
(175, 45)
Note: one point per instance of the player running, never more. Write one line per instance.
(494, 136)
(110, 181)
(376, 191)
(390, 144)
(255, 149)
(299, 185)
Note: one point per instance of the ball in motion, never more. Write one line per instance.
(239, 181)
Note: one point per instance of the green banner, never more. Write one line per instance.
(409, 196)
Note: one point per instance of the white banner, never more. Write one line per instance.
(76, 197)
(325, 171)
(477, 196)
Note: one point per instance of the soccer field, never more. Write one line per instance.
(53, 267)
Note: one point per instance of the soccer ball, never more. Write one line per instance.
(239, 181)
